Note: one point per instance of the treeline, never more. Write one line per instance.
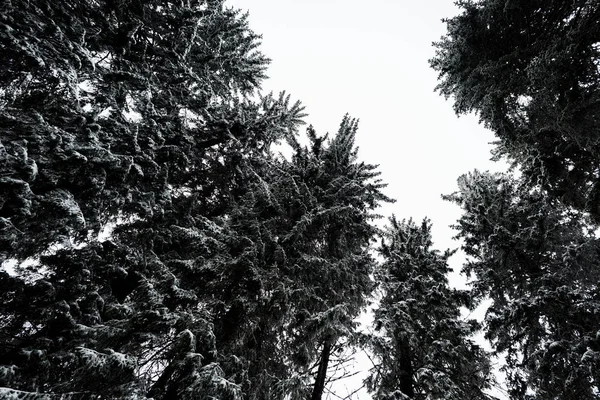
(155, 246)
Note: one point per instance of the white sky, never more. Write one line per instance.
(370, 59)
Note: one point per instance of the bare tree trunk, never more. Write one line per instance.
(322, 372)
(406, 370)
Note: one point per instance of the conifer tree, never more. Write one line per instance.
(536, 259)
(328, 244)
(226, 272)
(129, 114)
(422, 346)
(529, 68)
(100, 99)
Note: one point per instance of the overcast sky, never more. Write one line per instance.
(370, 59)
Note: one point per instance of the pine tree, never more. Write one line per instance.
(129, 116)
(530, 70)
(218, 254)
(76, 76)
(422, 345)
(226, 271)
(536, 260)
(327, 246)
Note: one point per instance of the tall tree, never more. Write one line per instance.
(224, 256)
(422, 346)
(537, 260)
(328, 245)
(134, 118)
(529, 68)
(101, 99)
(129, 114)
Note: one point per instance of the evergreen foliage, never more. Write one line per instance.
(105, 104)
(169, 253)
(337, 236)
(131, 117)
(423, 347)
(537, 260)
(163, 251)
(529, 68)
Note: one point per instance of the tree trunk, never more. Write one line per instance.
(406, 370)
(322, 372)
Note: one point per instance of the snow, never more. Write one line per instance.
(589, 356)
(131, 114)
(103, 59)
(555, 346)
(13, 394)
(8, 266)
(105, 114)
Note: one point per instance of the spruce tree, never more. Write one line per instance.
(422, 346)
(536, 260)
(128, 116)
(328, 244)
(101, 99)
(169, 253)
(529, 68)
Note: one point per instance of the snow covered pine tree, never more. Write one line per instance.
(422, 346)
(537, 260)
(127, 115)
(329, 242)
(529, 68)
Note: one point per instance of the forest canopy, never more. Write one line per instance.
(154, 244)
(531, 72)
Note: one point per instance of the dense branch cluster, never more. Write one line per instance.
(531, 70)
(153, 245)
